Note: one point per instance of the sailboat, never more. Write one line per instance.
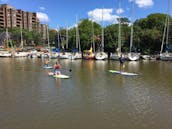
(64, 54)
(45, 52)
(55, 52)
(115, 56)
(132, 56)
(19, 52)
(89, 54)
(167, 55)
(3, 51)
(101, 55)
(77, 52)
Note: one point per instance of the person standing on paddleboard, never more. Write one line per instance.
(57, 67)
(122, 60)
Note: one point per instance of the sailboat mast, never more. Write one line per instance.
(79, 44)
(67, 39)
(163, 40)
(168, 22)
(48, 38)
(58, 37)
(21, 33)
(93, 37)
(77, 36)
(131, 37)
(166, 28)
(7, 36)
(119, 29)
(76, 31)
(102, 48)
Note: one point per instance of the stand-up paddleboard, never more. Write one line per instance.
(47, 67)
(58, 75)
(61, 76)
(123, 73)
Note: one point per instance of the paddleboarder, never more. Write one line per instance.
(122, 60)
(57, 67)
(46, 62)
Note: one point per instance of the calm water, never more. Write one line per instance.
(91, 99)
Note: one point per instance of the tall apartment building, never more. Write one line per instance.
(11, 17)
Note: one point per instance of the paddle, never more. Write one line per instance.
(52, 73)
(70, 70)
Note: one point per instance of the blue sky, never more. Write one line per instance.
(62, 13)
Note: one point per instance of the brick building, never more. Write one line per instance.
(11, 17)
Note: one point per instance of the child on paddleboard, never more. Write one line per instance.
(57, 68)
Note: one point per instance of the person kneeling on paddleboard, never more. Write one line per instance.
(57, 68)
(46, 63)
(121, 60)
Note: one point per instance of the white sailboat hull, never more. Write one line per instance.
(65, 55)
(166, 56)
(145, 57)
(21, 54)
(5, 54)
(54, 55)
(76, 56)
(33, 54)
(133, 56)
(114, 56)
(101, 56)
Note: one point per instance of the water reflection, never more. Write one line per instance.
(92, 97)
(58, 82)
(133, 66)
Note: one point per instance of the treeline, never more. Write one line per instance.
(147, 35)
(14, 37)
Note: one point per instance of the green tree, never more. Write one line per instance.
(16, 36)
(86, 33)
(111, 36)
(149, 32)
(52, 36)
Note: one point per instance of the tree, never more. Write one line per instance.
(52, 36)
(86, 33)
(16, 36)
(149, 31)
(111, 36)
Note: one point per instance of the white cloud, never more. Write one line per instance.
(143, 3)
(42, 8)
(96, 15)
(43, 17)
(119, 11)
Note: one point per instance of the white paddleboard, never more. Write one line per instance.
(123, 73)
(58, 75)
(61, 76)
(47, 67)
